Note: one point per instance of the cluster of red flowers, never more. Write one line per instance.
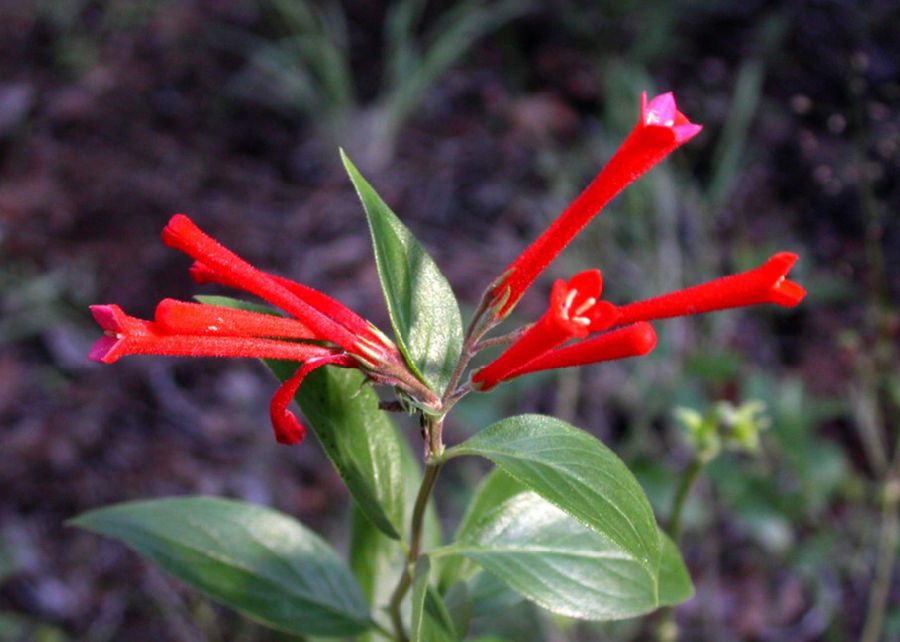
(321, 331)
(575, 309)
(186, 329)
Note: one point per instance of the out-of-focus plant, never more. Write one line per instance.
(723, 426)
(82, 25)
(308, 70)
(560, 521)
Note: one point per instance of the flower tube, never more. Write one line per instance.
(574, 310)
(660, 130)
(767, 283)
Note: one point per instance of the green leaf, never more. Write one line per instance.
(376, 561)
(675, 585)
(496, 488)
(491, 595)
(256, 560)
(460, 607)
(231, 302)
(573, 470)
(421, 304)
(431, 621)
(557, 562)
(360, 439)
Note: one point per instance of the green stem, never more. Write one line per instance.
(667, 629)
(432, 468)
(887, 555)
(434, 449)
(503, 340)
(478, 327)
(688, 477)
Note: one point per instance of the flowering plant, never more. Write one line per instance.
(561, 521)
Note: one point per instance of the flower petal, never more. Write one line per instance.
(764, 284)
(288, 429)
(181, 233)
(182, 317)
(631, 341)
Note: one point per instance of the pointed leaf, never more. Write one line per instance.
(575, 471)
(431, 621)
(377, 560)
(496, 488)
(360, 439)
(557, 562)
(460, 608)
(491, 595)
(258, 561)
(675, 585)
(421, 304)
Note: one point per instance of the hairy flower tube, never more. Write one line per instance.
(660, 130)
(575, 311)
(179, 328)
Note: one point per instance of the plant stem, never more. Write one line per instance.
(688, 477)
(887, 554)
(478, 327)
(432, 468)
(667, 629)
(502, 340)
(434, 449)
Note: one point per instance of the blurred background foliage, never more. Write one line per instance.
(478, 121)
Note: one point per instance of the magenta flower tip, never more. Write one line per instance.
(115, 324)
(683, 133)
(661, 110)
(108, 316)
(101, 350)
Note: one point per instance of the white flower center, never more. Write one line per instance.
(578, 317)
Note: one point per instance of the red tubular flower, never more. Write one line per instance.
(634, 340)
(181, 317)
(288, 429)
(188, 329)
(326, 318)
(325, 304)
(127, 335)
(661, 129)
(767, 283)
(575, 310)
